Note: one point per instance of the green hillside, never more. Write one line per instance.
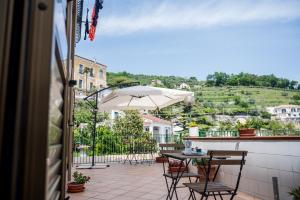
(225, 98)
(232, 99)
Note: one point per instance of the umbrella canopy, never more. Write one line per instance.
(142, 98)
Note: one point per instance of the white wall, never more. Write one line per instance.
(265, 160)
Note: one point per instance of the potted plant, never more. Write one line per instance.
(177, 166)
(245, 129)
(202, 167)
(193, 129)
(295, 193)
(78, 184)
(161, 159)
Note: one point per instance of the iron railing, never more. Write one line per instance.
(235, 133)
(112, 148)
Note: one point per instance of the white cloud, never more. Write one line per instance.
(197, 14)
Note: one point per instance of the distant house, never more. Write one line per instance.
(156, 82)
(184, 86)
(159, 128)
(287, 113)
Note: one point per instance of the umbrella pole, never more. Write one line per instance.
(95, 110)
(95, 130)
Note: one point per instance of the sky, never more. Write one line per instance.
(197, 37)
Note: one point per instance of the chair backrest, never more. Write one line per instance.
(238, 157)
(171, 148)
(226, 153)
(225, 157)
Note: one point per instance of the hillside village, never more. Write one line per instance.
(222, 101)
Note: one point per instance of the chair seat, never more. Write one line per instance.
(211, 187)
(184, 175)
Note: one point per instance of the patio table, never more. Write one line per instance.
(176, 176)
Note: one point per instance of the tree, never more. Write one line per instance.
(129, 124)
(296, 97)
(293, 84)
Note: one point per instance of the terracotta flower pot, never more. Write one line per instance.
(177, 166)
(247, 132)
(161, 159)
(177, 169)
(202, 172)
(75, 187)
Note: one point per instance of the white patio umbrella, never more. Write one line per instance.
(142, 98)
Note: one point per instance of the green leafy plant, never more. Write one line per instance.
(79, 178)
(201, 162)
(295, 192)
(192, 124)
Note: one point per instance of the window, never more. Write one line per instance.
(91, 86)
(80, 68)
(298, 109)
(293, 109)
(283, 110)
(101, 73)
(80, 83)
(116, 115)
(91, 72)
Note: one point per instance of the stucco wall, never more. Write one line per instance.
(96, 79)
(266, 159)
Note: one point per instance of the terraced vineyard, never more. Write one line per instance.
(254, 96)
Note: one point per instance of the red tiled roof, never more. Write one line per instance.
(156, 119)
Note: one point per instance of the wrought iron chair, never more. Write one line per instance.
(175, 176)
(211, 188)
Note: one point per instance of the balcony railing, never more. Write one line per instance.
(235, 133)
(112, 148)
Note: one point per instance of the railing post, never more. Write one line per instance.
(275, 188)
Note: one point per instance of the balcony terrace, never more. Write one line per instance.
(129, 182)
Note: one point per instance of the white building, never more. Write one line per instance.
(161, 129)
(287, 113)
(156, 82)
(184, 86)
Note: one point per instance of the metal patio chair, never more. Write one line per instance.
(174, 177)
(211, 188)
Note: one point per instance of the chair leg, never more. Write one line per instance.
(214, 196)
(168, 188)
(232, 196)
(202, 196)
(220, 196)
(207, 196)
(191, 194)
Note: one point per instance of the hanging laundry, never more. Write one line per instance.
(95, 15)
(86, 24)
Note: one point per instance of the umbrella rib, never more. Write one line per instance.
(130, 101)
(153, 101)
(109, 99)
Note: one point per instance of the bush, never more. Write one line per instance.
(254, 112)
(251, 101)
(295, 192)
(284, 94)
(265, 115)
(254, 123)
(237, 100)
(244, 104)
(296, 97)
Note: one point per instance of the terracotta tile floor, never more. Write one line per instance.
(129, 182)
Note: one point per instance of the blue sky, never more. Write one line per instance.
(197, 37)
